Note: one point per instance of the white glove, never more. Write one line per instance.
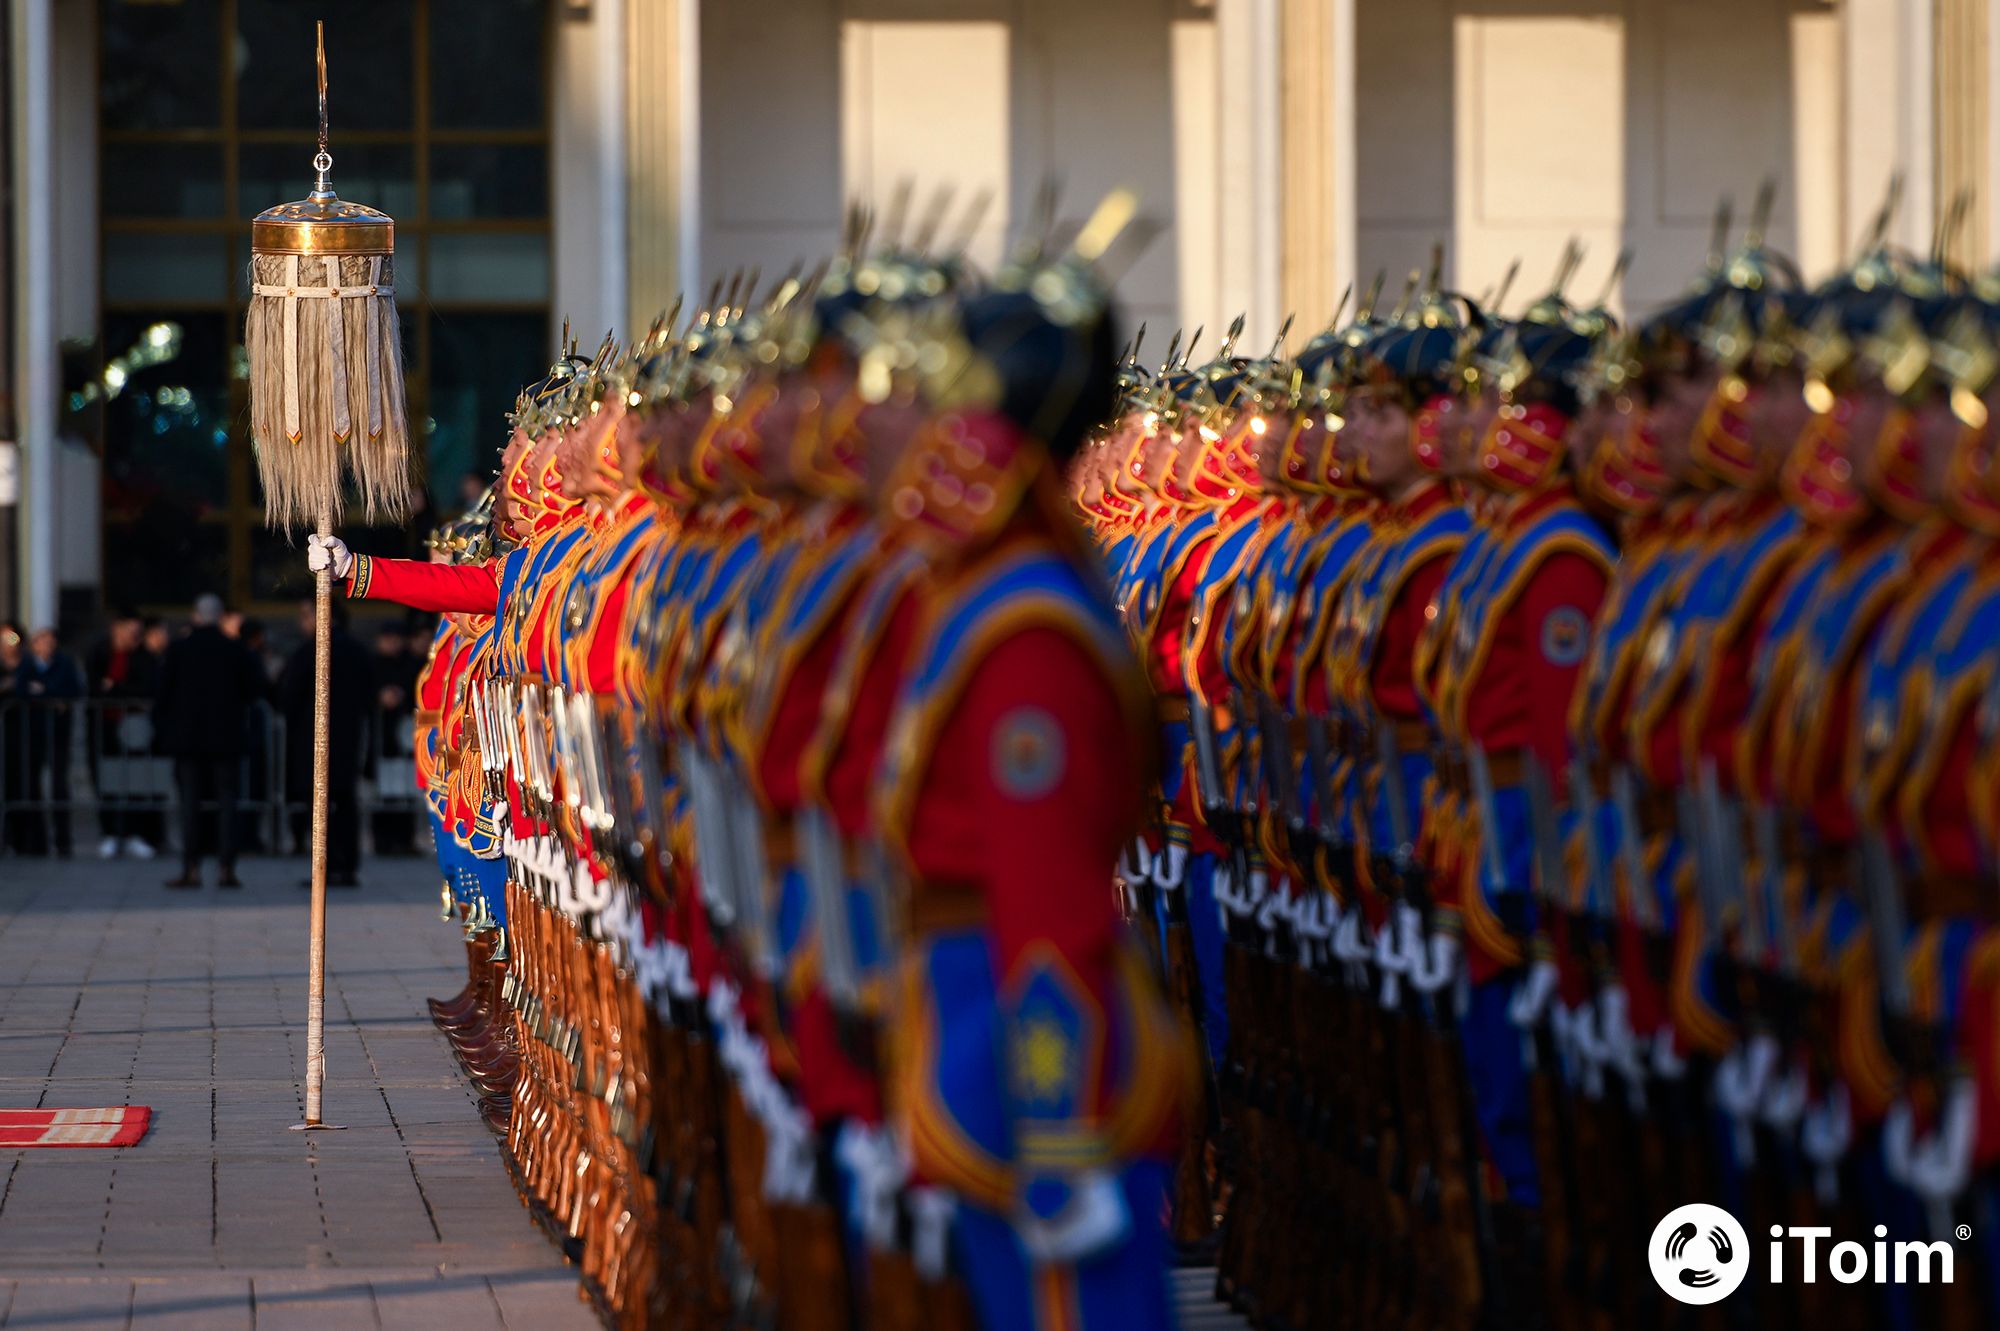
(328, 552)
(790, 1154)
(1531, 1000)
(875, 1161)
(1434, 963)
(930, 1230)
(1095, 1218)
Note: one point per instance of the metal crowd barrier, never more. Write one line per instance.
(76, 771)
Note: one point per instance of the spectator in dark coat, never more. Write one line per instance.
(120, 669)
(22, 826)
(396, 668)
(209, 679)
(250, 824)
(352, 704)
(156, 637)
(51, 682)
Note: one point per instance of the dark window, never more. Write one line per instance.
(440, 118)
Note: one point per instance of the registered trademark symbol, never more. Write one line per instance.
(1964, 1233)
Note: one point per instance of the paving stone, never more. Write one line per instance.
(537, 1301)
(73, 1305)
(193, 1303)
(113, 991)
(312, 1304)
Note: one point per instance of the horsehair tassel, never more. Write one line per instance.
(293, 429)
(336, 345)
(374, 312)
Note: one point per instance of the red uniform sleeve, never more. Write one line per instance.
(471, 589)
(1057, 779)
(1061, 794)
(1557, 610)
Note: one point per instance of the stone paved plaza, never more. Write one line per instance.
(114, 991)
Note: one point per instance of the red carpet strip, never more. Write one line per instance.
(119, 1125)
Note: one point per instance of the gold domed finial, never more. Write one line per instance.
(322, 222)
(327, 400)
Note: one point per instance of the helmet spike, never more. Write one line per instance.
(1284, 331)
(1760, 215)
(932, 219)
(1498, 296)
(1572, 259)
(1229, 338)
(1366, 312)
(1187, 352)
(1402, 310)
(1617, 275)
(968, 226)
(1346, 294)
(1878, 230)
(1718, 235)
(899, 208)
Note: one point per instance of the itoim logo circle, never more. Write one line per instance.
(1699, 1254)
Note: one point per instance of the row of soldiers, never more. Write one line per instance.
(781, 738)
(1546, 760)
(1578, 793)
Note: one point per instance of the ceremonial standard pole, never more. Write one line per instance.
(327, 410)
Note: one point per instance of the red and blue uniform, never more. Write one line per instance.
(1032, 1064)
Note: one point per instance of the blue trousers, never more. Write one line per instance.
(1122, 1289)
(1499, 1086)
(1205, 931)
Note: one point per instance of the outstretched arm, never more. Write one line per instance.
(472, 589)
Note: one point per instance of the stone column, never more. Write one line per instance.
(1250, 71)
(1890, 112)
(663, 143)
(1318, 158)
(36, 371)
(589, 169)
(1963, 111)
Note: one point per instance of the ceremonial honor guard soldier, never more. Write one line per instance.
(1521, 634)
(1009, 785)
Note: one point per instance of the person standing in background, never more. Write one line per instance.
(120, 668)
(351, 704)
(14, 832)
(253, 635)
(396, 668)
(206, 685)
(155, 637)
(250, 827)
(52, 683)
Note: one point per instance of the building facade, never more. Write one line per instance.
(587, 159)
